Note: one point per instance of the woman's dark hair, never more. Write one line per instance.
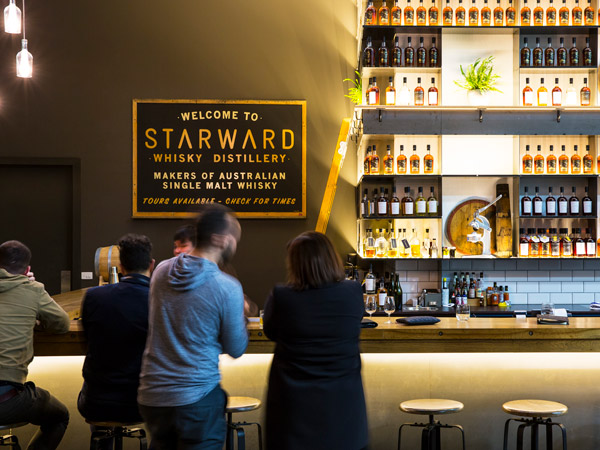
(312, 261)
(135, 252)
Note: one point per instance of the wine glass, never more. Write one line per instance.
(389, 307)
(371, 305)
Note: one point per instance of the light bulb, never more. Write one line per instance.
(24, 61)
(12, 18)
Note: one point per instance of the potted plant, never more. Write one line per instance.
(355, 92)
(479, 80)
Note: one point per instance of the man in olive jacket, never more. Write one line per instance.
(23, 304)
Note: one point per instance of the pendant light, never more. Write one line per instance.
(12, 18)
(24, 58)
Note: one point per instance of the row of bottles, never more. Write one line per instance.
(382, 287)
(553, 206)
(465, 288)
(555, 98)
(575, 17)
(371, 165)
(561, 57)
(381, 205)
(397, 57)
(564, 165)
(388, 244)
(403, 97)
(547, 243)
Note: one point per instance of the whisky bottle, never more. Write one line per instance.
(534, 243)
(577, 14)
(578, 243)
(388, 162)
(538, 54)
(374, 162)
(589, 14)
(419, 93)
(571, 94)
(549, 54)
(396, 14)
(373, 203)
(383, 54)
(525, 14)
(587, 53)
(563, 161)
(409, 14)
(538, 161)
(527, 94)
(369, 249)
(561, 54)
(554, 244)
(574, 203)
(550, 203)
(473, 15)
(373, 93)
(590, 244)
(551, 15)
(367, 163)
(405, 247)
(525, 54)
(382, 204)
(404, 94)
(390, 94)
(527, 161)
(415, 245)
(460, 15)
(551, 162)
(486, 14)
(421, 54)
(588, 165)
(384, 14)
(574, 54)
(538, 15)
(381, 246)
(511, 15)
(563, 14)
(414, 162)
(575, 162)
(409, 53)
(394, 203)
(498, 15)
(556, 94)
(566, 244)
(523, 244)
(369, 54)
(526, 203)
(401, 162)
(587, 203)
(433, 54)
(544, 243)
(432, 203)
(370, 14)
(447, 14)
(421, 14)
(364, 204)
(538, 203)
(425, 245)
(542, 94)
(434, 15)
(408, 204)
(432, 97)
(562, 203)
(396, 53)
(393, 246)
(585, 94)
(428, 161)
(421, 203)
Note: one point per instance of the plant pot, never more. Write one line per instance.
(478, 98)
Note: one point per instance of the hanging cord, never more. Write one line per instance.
(24, 20)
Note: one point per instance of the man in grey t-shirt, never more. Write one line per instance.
(196, 313)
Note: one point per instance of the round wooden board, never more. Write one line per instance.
(457, 226)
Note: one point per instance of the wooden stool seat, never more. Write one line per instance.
(535, 408)
(238, 405)
(10, 426)
(242, 404)
(431, 406)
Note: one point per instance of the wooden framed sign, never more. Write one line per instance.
(249, 155)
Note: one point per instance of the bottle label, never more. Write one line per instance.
(460, 17)
(371, 208)
(590, 248)
(369, 16)
(550, 58)
(433, 98)
(539, 166)
(528, 97)
(405, 244)
(390, 98)
(382, 296)
(525, 57)
(395, 209)
(580, 248)
(433, 17)
(550, 208)
(388, 165)
(402, 166)
(589, 16)
(574, 57)
(499, 16)
(393, 243)
(473, 16)
(525, 17)
(563, 16)
(524, 249)
(409, 58)
(564, 165)
(397, 57)
(384, 17)
(414, 166)
(556, 98)
(587, 207)
(551, 165)
(576, 165)
(421, 207)
(574, 207)
(433, 58)
(428, 165)
(448, 17)
(384, 58)
(550, 19)
(555, 246)
(370, 285)
(510, 16)
(543, 100)
(409, 16)
(408, 209)
(486, 16)
(382, 208)
(372, 98)
(527, 166)
(563, 208)
(577, 17)
(537, 207)
(362, 209)
(585, 98)
(537, 57)
(538, 16)
(396, 16)
(421, 17)
(432, 206)
(421, 57)
(544, 239)
(587, 165)
(587, 57)
(527, 208)
(419, 97)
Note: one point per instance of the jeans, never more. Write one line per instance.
(198, 426)
(38, 407)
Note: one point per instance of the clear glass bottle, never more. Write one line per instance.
(554, 244)
(373, 93)
(384, 14)
(374, 201)
(550, 55)
(534, 243)
(577, 14)
(425, 244)
(383, 204)
(588, 55)
(383, 55)
(409, 14)
(369, 54)
(374, 165)
(538, 54)
(544, 243)
(433, 54)
(498, 15)
(404, 94)
(563, 161)
(367, 162)
(566, 244)
(525, 53)
(473, 15)
(572, 99)
(448, 15)
(538, 15)
(419, 93)
(364, 204)
(434, 15)
(585, 94)
(381, 244)
(511, 15)
(486, 15)
(563, 14)
(562, 56)
(396, 14)
(421, 14)
(393, 245)
(421, 54)
(404, 245)
(432, 94)
(574, 54)
(551, 15)
(370, 14)
(588, 161)
(409, 54)
(461, 15)
(369, 244)
(542, 94)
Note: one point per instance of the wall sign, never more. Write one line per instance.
(248, 155)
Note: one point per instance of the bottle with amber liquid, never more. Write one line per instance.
(473, 15)
(575, 162)
(367, 162)
(588, 161)
(525, 54)
(578, 243)
(461, 15)
(577, 14)
(408, 204)
(544, 243)
(382, 203)
(587, 204)
(434, 15)
(538, 15)
(566, 244)
(373, 93)
(562, 203)
(526, 202)
(551, 161)
(527, 161)
(538, 54)
(523, 244)
(415, 162)
(374, 170)
(590, 244)
(419, 94)
(401, 162)
(447, 15)
(589, 15)
(409, 14)
(563, 161)
(486, 15)
(574, 54)
(587, 53)
(421, 54)
(551, 15)
(550, 203)
(394, 203)
(409, 54)
(525, 14)
(585, 94)
(388, 161)
(433, 54)
(390, 95)
(370, 14)
(498, 15)
(562, 54)
(556, 94)
(421, 14)
(396, 53)
(384, 14)
(549, 54)
(538, 161)
(534, 243)
(369, 54)
(511, 15)
(563, 14)
(542, 94)
(432, 95)
(396, 14)
(428, 161)
(538, 203)
(383, 55)
(554, 244)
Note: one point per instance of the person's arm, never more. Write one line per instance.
(234, 335)
(51, 316)
(269, 320)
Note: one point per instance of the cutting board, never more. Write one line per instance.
(457, 226)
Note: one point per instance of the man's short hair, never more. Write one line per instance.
(214, 218)
(135, 252)
(14, 257)
(185, 233)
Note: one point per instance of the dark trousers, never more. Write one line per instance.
(198, 426)
(38, 407)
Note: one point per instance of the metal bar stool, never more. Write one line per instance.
(430, 437)
(117, 431)
(10, 440)
(535, 413)
(237, 405)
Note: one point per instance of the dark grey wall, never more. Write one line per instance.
(91, 61)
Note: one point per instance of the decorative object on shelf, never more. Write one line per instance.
(458, 226)
(479, 80)
(355, 92)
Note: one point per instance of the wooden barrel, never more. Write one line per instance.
(105, 258)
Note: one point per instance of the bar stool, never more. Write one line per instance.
(10, 440)
(117, 431)
(238, 405)
(430, 437)
(533, 414)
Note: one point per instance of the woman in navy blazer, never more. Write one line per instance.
(315, 398)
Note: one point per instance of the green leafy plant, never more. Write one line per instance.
(479, 76)
(355, 92)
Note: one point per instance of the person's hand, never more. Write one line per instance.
(30, 275)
